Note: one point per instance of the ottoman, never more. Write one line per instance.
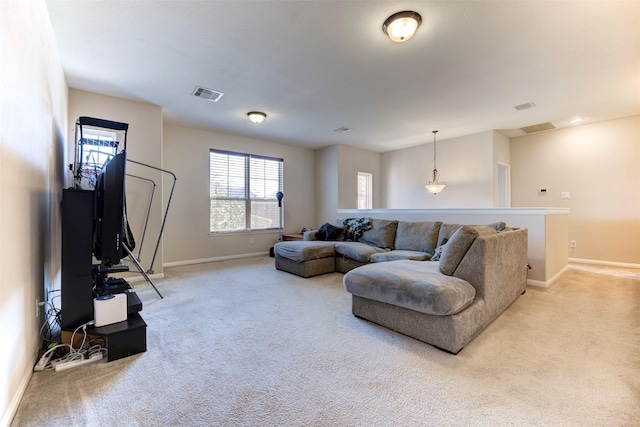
(305, 258)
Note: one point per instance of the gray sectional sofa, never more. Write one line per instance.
(436, 282)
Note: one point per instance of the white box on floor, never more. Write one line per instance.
(110, 309)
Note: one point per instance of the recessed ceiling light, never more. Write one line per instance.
(256, 117)
(576, 120)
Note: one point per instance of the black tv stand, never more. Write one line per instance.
(82, 281)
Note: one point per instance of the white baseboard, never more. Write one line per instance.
(547, 283)
(607, 263)
(140, 278)
(7, 417)
(214, 259)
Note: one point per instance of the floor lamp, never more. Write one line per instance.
(280, 196)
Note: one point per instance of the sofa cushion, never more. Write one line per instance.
(400, 254)
(355, 227)
(458, 245)
(357, 250)
(417, 236)
(412, 285)
(381, 234)
(301, 251)
(445, 233)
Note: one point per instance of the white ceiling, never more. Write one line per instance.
(314, 66)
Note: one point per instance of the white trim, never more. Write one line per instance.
(140, 278)
(205, 260)
(17, 397)
(482, 211)
(547, 283)
(607, 263)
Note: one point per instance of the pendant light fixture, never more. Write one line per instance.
(434, 186)
(256, 117)
(401, 26)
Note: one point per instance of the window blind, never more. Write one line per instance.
(243, 191)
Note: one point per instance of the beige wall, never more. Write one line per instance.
(466, 164)
(33, 115)
(144, 144)
(336, 179)
(599, 165)
(352, 160)
(501, 155)
(326, 185)
(187, 236)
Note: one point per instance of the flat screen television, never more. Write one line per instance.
(109, 224)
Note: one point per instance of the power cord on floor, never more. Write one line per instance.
(62, 353)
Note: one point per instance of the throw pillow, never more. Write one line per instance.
(355, 227)
(438, 252)
(459, 244)
(328, 232)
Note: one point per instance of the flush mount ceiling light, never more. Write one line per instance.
(401, 26)
(434, 186)
(256, 117)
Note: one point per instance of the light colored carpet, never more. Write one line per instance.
(237, 343)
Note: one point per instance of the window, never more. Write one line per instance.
(93, 150)
(243, 191)
(98, 147)
(365, 201)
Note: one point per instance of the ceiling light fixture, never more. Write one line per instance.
(434, 186)
(256, 117)
(401, 26)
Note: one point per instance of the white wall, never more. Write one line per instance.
(144, 144)
(33, 119)
(187, 236)
(599, 165)
(466, 164)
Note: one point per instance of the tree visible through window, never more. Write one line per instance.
(365, 201)
(243, 191)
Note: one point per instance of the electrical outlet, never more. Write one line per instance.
(37, 309)
(573, 244)
(252, 240)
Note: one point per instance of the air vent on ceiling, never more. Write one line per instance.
(208, 94)
(538, 128)
(524, 106)
(343, 130)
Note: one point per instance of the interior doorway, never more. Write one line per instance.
(504, 185)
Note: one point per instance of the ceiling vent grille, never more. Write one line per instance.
(343, 130)
(524, 106)
(541, 127)
(208, 94)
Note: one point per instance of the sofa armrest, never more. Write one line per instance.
(496, 265)
(309, 235)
